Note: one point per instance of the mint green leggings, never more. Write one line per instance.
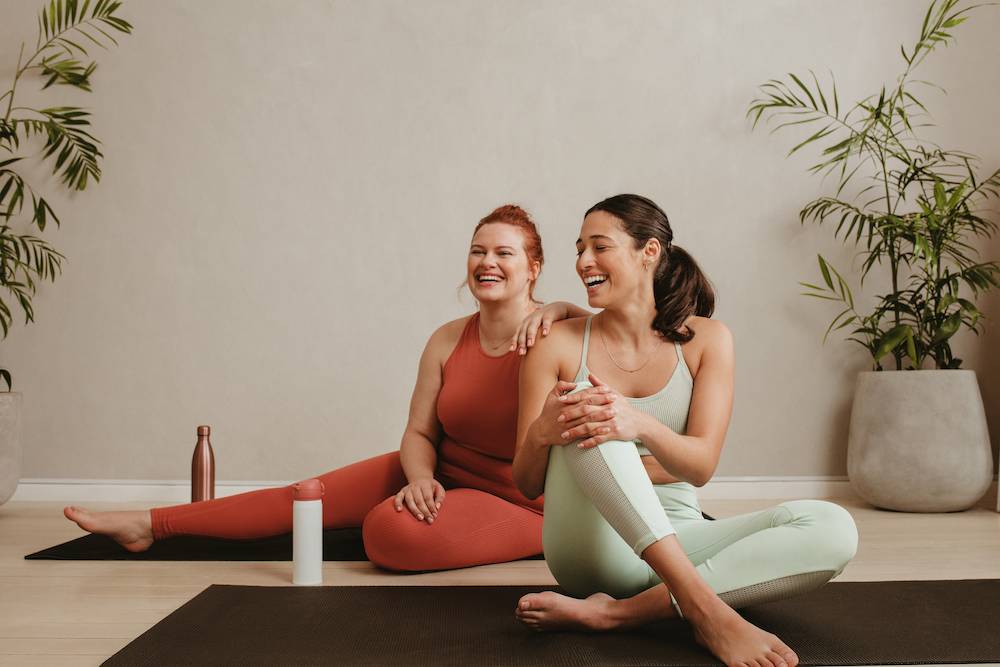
(602, 511)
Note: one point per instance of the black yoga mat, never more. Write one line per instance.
(338, 544)
(839, 624)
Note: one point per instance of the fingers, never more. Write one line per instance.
(547, 321)
(518, 338)
(399, 500)
(593, 441)
(598, 415)
(521, 337)
(530, 331)
(438, 495)
(412, 505)
(586, 430)
(421, 497)
(594, 380)
(568, 415)
(562, 387)
(584, 395)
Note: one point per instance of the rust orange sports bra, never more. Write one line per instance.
(477, 408)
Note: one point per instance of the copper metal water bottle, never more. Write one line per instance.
(203, 468)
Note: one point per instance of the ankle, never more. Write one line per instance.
(615, 614)
(700, 606)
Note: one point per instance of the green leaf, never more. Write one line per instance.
(5, 376)
(825, 271)
(911, 348)
(891, 340)
(948, 328)
(939, 198)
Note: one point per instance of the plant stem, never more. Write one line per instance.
(17, 75)
(891, 246)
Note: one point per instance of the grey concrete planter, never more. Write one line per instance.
(10, 444)
(918, 440)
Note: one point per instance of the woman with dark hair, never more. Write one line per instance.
(635, 421)
(452, 472)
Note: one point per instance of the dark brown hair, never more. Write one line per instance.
(680, 287)
(512, 214)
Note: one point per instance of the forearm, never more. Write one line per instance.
(530, 465)
(684, 458)
(418, 456)
(573, 310)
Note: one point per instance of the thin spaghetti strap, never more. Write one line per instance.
(681, 362)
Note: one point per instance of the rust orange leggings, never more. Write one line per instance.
(472, 528)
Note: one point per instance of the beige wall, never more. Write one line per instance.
(290, 187)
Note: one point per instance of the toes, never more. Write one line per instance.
(789, 656)
(776, 659)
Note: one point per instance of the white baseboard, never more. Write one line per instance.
(179, 490)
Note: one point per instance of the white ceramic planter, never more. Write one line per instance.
(918, 440)
(10, 444)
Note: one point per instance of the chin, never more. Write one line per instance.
(596, 302)
(488, 296)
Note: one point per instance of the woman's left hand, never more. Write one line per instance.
(594, 417)
(538, 324)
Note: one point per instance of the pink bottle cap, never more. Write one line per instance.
(308, 489)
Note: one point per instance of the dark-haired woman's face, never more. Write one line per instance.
(498, 267)
(607, 261)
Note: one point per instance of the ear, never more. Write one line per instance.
(652, 251)
(536, 270)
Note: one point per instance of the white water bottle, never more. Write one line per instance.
(307, 533)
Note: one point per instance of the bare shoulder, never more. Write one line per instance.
(444, 339)
(561, 347)
(710, 330)
(712, 340)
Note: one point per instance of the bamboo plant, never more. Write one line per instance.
(913, 209)
(66, 30)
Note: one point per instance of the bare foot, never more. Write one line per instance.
(737, 642)
(133, 530)
(551, 611)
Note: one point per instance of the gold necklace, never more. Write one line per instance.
(504, 341)
(490, 346)
(612, 357)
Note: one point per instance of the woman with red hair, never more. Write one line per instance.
(447, 498)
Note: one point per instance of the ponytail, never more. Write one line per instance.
(680, 288)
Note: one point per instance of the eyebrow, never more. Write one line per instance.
(480, 245)
(596, 236)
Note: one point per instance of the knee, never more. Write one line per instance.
(394, 539)
(833, 532)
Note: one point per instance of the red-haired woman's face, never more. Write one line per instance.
(498, 267)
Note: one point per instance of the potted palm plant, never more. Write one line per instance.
(66, 29)
(918, 438)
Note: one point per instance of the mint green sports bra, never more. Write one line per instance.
(669, 405)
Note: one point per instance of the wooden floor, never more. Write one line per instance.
(81, 612)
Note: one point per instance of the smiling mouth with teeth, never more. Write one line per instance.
(594, 281)
(489, 279)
